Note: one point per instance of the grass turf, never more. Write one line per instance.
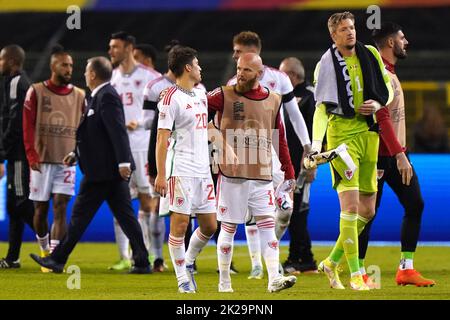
(97, 282)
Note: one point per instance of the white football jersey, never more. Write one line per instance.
(274, 79)
(186, 115)
(131, 87)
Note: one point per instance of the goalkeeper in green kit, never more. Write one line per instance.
(351, 85)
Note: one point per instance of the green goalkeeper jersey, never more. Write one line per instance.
(342, 129)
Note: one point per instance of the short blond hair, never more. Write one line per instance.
(336, 18)
(248, 38)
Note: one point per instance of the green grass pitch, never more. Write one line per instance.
(97, 282)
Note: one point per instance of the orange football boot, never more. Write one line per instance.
(411, 276)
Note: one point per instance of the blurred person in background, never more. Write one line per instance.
(145, 54)
(430, 132)
(19, 207)
(300, 258)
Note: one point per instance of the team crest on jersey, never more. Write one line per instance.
(204, 102)
(272, 84)
(225, 250)
(348, 174)
(179, 262)
(137, 83)
(180, 201)
(252, 231)
(223, 210)
(380, 174)
(273, 244)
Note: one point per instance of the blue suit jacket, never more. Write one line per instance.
(102, 138)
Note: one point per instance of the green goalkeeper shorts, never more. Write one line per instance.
(364, 151)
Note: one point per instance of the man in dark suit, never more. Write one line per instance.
(103, 152)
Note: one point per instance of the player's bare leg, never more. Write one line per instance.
(40, 223)
(59, 226)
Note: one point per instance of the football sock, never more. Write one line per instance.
(254, 245)
(269, 246)
(177, 254)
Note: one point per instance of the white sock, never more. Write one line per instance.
(43, 242)
(157, 232)
(357, 273)
(254, 246)
(196, 244)
(225, 250)
(269, 247)
(362, 270)
(122, 242)
(177, 254)
(142, 215)
(406, 264)
(282, 222)
(53, 245)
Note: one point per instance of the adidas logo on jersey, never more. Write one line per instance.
(188, 106)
